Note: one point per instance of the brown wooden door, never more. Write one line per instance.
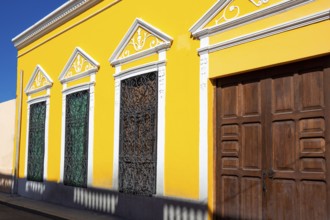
(272, 155)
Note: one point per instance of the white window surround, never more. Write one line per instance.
(45, 98)
(90, 86)
(160, 67)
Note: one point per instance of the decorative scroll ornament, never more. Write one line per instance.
(39, 81)
(141, 40)
(233, 9)
(79, 65)
(259, 3)
(230, 12)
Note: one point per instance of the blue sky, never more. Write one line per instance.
(15, 17)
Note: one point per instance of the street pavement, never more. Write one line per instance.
(14, 207)
(11, 213)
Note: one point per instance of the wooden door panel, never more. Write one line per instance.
(313, 165)
(251, 99)
(230, 102)
(283, 94)
(230, 163)
(283, 139)
(251, 146)
(251, 198)
(283, 200)
(313, 201)
(230, 132)
(230, 148)
(312, 90)
(230, 197)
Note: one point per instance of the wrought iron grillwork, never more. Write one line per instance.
(36, 145)
(138, 134)
(76, 139)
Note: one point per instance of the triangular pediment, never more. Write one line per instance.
(80, 64)
(231, 13)
(142, 39)
(39, 81)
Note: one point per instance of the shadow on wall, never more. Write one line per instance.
(6, 183)
(113, 203)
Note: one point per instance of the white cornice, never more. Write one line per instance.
(198, 29)
(58, 17)
(298, 23)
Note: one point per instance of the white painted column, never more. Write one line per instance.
(63, 135)
(27, 140)
(91, 132)
(161, 124)
(115, 175)
(203, 122)
(46, 135)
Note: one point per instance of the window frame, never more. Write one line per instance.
(29, 91)
(90, 86)
(160, 68)
(45, 98)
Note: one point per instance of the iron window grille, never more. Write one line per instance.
(138, 134)
(36, 145)
(76, 139)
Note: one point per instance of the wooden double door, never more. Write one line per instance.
(272, 143)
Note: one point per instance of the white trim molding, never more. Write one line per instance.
(115, 58)
(43, 76)
(203, 122)
(90, 72)
(198, 29)
(56, 18)
(160, 67)
(287, 26)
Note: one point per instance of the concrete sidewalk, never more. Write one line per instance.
(50, 210)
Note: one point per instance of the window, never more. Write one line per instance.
(77, 142)
(138, 134)
(36, 145)
(76, 139)
(36, 150)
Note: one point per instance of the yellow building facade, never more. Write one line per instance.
(172, 103)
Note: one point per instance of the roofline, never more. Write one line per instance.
(53, 20)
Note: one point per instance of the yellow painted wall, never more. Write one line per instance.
(99, 35)
(302, 43)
